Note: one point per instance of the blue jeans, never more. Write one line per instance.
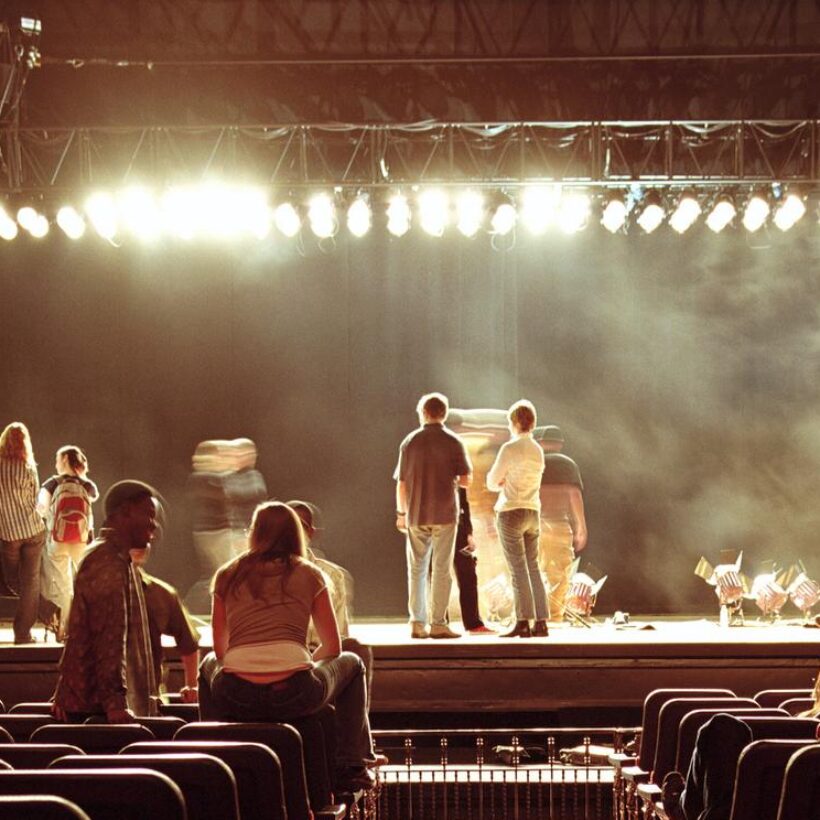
(340, 681)
(436, 542)
(519, 531)
(21, 570)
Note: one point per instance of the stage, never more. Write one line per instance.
(576, 670)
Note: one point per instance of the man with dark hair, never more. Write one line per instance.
(432, 463)
(107, 665)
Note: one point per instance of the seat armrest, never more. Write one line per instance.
(336, 811)
(635, 774)
(619, 760)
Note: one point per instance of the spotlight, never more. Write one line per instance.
(181, 211)
(583, 591)
(721, 215)
(789, 212)
(322, 216)
(504, 218)
(139, 212)
(102, 212)
(470, 212)
(686, 213)
(653, 213)
(433, 211)
(755, 213)
(730, 585)
(359, 216)
(8, 227)
(539, 205)
(804, 592)
(768, 592)
(32, 221)
(573, 212)
(287, 219)
(398, 215)
(71, 223)
(249, 211)
(613, 217)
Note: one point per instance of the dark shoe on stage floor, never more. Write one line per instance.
(520, 630)
(540, 630)
(418, 630)
(21, 639)
(443, 631)
(481, 630)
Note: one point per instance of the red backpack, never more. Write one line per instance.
(71, 512)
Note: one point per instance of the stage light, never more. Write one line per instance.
(70, 222)
(8, 227)
(583, 590)
(359, 216)
(685, 214)
(469, 212)
(32, 221)
(504, 218)
(102, 212)
(179, 207)
(322, 216)
(729, 583)
(721, 214)
(613, 216)
(573, 212)
(248, 211)
(139, 212)
(804, 592)
(789, 212)
(768, 592)
(398, 215)
(755, 213)
(287, 219)
(433, 211)
(539, 205)
(652, 214)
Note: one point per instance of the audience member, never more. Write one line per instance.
(22, 533)
(107, 663)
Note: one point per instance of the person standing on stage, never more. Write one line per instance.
(516, 477)
(432, 463)
(563, 525)
(464, 561)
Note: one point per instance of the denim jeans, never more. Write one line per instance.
(436, 542)
(21, 570)
(340, 681)
(519, 531)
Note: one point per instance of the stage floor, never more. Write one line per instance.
(604, 667)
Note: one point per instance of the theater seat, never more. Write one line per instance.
(35, 755)
(102, 739)
(795, 706)
(31, 708)
(187, 712)
(800, 796)
(104, 794)
(162, 728)
(21, 727)
(786, 728)
(774, 697)
(39, 807)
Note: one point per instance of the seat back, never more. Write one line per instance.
(35, 755)
(92, 738)
(800, 795)
(772, 728)
(31, 708)
(774, 697)
(651, 710)
(284, 740)
(318, 733)
(162, 728)
(104, 794)
(187, 712)
(794, 706)
(206, 783)
(255, 767)
(759, 778)
(671, 714)
(21, 727)
(691, 723)
(39, 807)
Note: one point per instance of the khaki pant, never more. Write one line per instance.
(555, 559)
(57, 578)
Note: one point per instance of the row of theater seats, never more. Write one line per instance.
(172, 766)
(776, 776)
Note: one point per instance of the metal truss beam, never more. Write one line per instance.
(604, 154)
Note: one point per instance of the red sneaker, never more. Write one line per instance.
(482, 630)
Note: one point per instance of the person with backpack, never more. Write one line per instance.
(65, 502)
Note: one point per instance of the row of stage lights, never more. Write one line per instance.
(224, 211)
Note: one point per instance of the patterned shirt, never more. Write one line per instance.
(18, 500)
(107, 663)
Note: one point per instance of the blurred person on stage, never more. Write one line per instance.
(107, 665)
(65, 502)
(432, 463)
(245, 489)
(22, 532)
(516, 477)
(563, 524)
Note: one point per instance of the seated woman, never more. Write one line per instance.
(261, 668)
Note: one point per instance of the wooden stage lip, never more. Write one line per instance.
(600, 667)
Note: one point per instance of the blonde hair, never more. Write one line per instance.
(15, 443)
(522, 415)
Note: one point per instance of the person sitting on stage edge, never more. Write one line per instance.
(261, 668)
(107, 666)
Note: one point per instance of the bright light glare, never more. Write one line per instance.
(180, 211)
(287, 219)
(614, 215)
(651, 217)
(433, 211)
(721, 215)
(470, 212)
(70, 222)
(102, 212)
(398, 215)
(139, 212)
(789, 212)
(685, 215)
(27, 217)
(248, 211)
(322, 216)
(539, 205)
(40, 228)
(359, 216)
(503, 220)
(756, 213)
(8, 227)
(574, 212)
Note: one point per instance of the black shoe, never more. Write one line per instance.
(355, 779)
(671, 791)
(520, 630)
(540, 630)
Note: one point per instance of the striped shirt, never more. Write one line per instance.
(18, 500)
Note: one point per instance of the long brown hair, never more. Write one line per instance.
(15, 443)
(75, 457)
(276, 534)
